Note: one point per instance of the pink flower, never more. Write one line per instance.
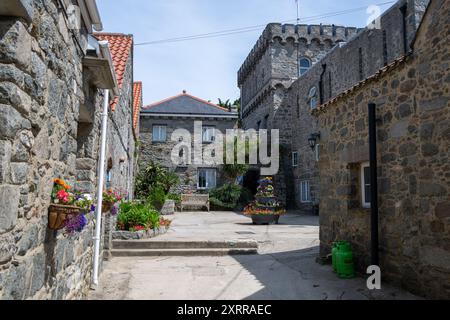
(63, 196)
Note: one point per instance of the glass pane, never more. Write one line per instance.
(201, 179)
(367, 193)
(367, 176)
(211, 178)
(304, 63)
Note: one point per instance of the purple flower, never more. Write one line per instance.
(92, 208)
(114, 210)
(75, 223)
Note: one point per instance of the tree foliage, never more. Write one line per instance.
(154, 176)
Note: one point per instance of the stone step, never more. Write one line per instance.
(149, 244)
(182, 252)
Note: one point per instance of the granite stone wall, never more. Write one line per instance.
(49, 127)
(339, 63)
(413, 105)
(121, 143)
(160, 152)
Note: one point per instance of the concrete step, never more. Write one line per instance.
(149, 244)
(181, 252)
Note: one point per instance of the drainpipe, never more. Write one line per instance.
(324, 69)
(404, 11)
(373, 185)
(98, 223)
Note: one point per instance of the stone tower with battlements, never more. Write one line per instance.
(276, 61)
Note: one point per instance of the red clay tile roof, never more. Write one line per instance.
(120, 46)
(137, 102)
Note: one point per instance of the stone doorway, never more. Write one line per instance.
(251, 180)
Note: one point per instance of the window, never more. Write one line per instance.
(206, 179)
(108, 179)
(305, 192)
(159, 133)
(365, 185)
(304, 65)
(295, 159)
(266, 122)
(313, 97)
(208, 134)
(317, 152)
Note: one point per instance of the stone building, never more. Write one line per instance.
(295, 68)
(158, 122)
(121, 139)
(52, 75)
(282, 55)
(412, 99)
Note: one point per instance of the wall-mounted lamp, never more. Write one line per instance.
(313, 140)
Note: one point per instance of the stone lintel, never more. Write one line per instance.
(17, 8)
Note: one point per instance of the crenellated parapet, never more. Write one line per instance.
(297, 34)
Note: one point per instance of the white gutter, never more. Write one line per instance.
(106, 54)
(181, 115)
(101, 176)
(94, 15)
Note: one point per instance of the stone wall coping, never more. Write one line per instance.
(17, 8)
(392, 66)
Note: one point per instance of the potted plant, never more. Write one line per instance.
(265, 209)
(110, 198)
(67, 209)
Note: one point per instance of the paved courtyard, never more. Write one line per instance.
(285, 267)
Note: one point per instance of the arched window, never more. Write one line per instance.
(313, 97)
(304, 64)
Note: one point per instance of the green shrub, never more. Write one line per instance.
(154, 175)
(174, 196)
(216, 204)
(229, 196)
(157, 197)
(135, 216)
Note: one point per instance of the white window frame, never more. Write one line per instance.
(295, 157)
(208, 134)
(305, 197)
(161, 133)
(312, 95)
(108, 180)
(317, 152)
(304, 69)
(364, 203)
(207, 184)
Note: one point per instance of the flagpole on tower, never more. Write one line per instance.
(298, 49)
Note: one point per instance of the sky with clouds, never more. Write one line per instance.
(208, 67)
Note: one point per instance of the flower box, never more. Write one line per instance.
(58, 213)
(262, 219)
(107, 206)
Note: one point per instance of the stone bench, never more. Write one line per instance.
(195, 200)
